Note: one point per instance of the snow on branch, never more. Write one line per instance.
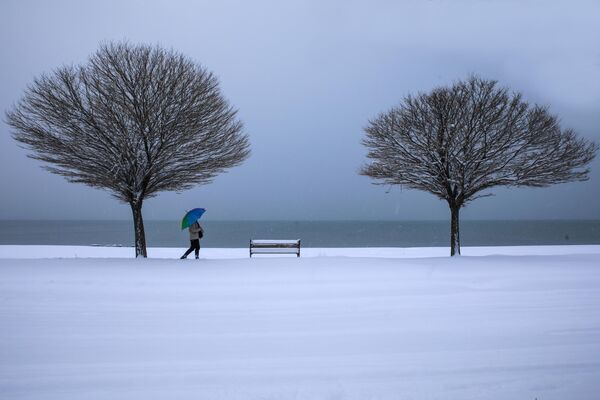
(457, 141)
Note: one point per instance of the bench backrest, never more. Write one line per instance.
(275, 243)
(264, 246)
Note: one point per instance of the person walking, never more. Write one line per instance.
(196, 233)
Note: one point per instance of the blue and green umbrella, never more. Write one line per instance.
(191, 217)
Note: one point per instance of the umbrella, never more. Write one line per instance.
(191, 217)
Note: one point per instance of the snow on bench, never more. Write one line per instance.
(263, 246)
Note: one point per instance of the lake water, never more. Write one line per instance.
(312, 233)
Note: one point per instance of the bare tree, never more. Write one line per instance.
(456, 142)
(135, 120)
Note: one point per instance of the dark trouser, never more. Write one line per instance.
(194, 245)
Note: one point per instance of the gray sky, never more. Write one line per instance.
(306, 77)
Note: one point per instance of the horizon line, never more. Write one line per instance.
(295, 220)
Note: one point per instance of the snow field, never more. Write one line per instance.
(318, 327)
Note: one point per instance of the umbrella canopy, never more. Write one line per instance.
(191, 217)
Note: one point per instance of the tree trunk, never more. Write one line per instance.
(138, 227)
(454, 230)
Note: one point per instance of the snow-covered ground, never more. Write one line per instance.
(19, 251)
(498, 323)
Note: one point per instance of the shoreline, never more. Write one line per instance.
(66, 251)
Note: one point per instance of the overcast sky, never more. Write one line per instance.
(306, 77)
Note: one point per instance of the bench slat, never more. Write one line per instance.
(274, 241)
(275, 245)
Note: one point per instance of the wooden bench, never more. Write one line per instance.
(263, 246)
